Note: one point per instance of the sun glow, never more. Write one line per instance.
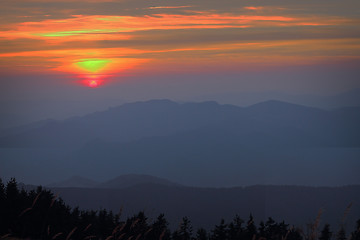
(92, 81)
(100, 46)
(93, 65)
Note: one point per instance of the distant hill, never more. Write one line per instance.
(130, 180)
(273, 121)
(75, 181)
(122, 181)
(195, 144)
(125, 123)
(340, 100)
(206, 206)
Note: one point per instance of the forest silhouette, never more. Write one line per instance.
(39, 214)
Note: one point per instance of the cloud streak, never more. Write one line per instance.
(247, 35)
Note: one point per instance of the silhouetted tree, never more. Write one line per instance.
(2, 207)
(235, 229)
(220, 231)
(272, 230)
(159, 229)
(355, 235)
(201, 234)
(136, 226)
(185, 230)
(250, 231)
(325, 233)
(294, 234)
(281, 231)
(12, 206)
(38, 214)
(262, 230)
(341, 235)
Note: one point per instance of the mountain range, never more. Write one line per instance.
(197, 144)
(267, 123)
(19, 112)
(343, 99)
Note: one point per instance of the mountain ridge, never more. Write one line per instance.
(137, 120)
(119, 182)
(202, 144)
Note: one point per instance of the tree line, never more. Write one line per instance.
(39, 214)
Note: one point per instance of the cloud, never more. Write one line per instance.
(169, 7)
(97, 27)
(61, 33)
(254, 8)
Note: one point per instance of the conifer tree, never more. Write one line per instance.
(12, 204)
(235, 228)
(201, 234)
(294, 234)
(355, 235)
(185, 230)
(159, 229)
(250, 231)
(220, 231)
(341, 235)
(325, 233)
(2, 207)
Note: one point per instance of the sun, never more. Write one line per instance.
(93, 83)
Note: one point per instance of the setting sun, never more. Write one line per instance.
(93, 83)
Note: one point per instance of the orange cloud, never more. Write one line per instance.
(169, 7)
(101, 29)
(98, 27)
(254, 8)
(118, 27)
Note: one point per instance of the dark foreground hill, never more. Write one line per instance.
(39, 214)
(205, 206)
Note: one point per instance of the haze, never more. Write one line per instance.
(178, 50)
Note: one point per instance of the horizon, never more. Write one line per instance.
(242, 99)
(66, 183)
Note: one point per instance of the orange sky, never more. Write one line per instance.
(54, 36)
(183, 50)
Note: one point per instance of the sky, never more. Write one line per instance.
(61, 57)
